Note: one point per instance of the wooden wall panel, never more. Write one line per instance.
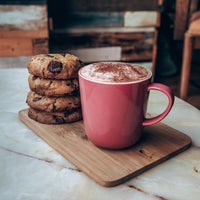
(20, 17)
(15, 46)
(40, 45)
(135, 43)
(105, 5)
(23, 2)
(23, 30)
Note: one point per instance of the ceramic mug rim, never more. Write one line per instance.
(116, 83)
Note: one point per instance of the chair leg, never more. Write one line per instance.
(186, 65)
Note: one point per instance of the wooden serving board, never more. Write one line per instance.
(110, 167)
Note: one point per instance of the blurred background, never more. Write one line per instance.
(148, 32)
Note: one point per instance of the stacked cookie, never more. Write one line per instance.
(54, 96)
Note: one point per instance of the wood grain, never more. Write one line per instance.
(23, 17)
(136, 43)
(181, 18)
(23, 46)
(23, 30)
(184, 10)
(110, 167)
(112, 5)
(15, 46)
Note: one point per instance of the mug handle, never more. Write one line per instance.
(168, 92)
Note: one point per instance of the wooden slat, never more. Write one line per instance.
(113, 19)
(17, 21)
(88, 55)
(18, 2)
(111, 5)
(141, 19)
(94, 19)
(15, 46)
(135, 45)
(40, 45)
(113, 30)
(24, 34)
(20, 17)
(23, 30)
(22, 46)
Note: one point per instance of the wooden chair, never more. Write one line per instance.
(187, 26)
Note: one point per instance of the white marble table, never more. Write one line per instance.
(31, 169)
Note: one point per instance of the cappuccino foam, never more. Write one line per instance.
(115, 72)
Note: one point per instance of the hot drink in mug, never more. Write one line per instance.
(114, 98)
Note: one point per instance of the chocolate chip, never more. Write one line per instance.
(35, 99)
(75, 92)
(54, 108)
(34, 78)
(68, 112)
(55, 67)
(58, 119)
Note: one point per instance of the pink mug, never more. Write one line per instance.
(114, 103)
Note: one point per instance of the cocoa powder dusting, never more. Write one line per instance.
(115, 72)
(120, 72)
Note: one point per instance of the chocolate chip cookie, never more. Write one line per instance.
(52, 104)
(55, 117)
(55, 66)
(53, 87)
